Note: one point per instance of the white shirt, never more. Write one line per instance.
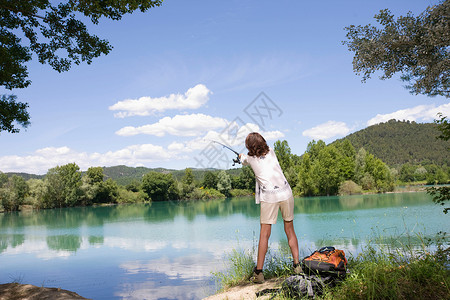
(271, 184)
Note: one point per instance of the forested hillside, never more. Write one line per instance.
(399, 142)
(124, 175)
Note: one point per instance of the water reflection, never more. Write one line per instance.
(64, 242)
(168, 249)
(11, 240)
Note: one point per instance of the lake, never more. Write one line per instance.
(167, 250)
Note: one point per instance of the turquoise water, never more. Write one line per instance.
(167, 250)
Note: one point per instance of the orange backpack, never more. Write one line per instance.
(327, 260)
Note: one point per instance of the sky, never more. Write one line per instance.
(191, 72)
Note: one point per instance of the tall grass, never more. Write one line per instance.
(240, 263)
(394, 268)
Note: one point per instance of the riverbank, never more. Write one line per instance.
(379, 272)
(398, 189)
(17, 291)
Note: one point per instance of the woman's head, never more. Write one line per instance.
(256, 145)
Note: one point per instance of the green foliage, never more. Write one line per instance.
(95, 174)
(283, 152)
(443, 126)
(128, 197)
(400, 142)
(56, 34)
(441, 196)
(12, 111)
(3, 179)
(210, 180)
(240, 193)
(12, 193)
(204, 194)
(240, 268)
(307, 177)
(36, 192)
(134, 186)
(349, 187)
(245, 180)
(159, 186)
(188, 178)
(107, 192)
(63, 186)
(223, 183)
(187, 183)
(415, 47)
(396, 272)
(324, 168)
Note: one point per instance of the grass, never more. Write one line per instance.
(394, 270)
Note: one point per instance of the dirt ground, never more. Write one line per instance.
(248, 291)
(16, 291)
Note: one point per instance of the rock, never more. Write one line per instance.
(16, 291)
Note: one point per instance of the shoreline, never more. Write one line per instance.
(413, 188)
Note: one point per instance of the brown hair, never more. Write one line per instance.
(256, 145)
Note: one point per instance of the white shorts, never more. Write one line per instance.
(269, 211)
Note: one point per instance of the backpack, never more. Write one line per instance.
(301, 285)
(326, 261)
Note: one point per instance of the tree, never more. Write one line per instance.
(55, 32)
(187, 183)
(11, 112)
(328, 170)
(283, 153)
(188, 177)
(159, 186)
(307, 177)
(444, 127)
(13, 192)
(63, 186)
(210, 180)
(415, 47)
(95, 174)
(223, 183)
(347, 159)
(108, 192)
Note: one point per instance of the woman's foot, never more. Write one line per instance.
(298, 268)
(258, 276)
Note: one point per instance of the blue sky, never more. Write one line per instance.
(189, 72)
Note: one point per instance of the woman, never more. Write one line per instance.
(273, 193)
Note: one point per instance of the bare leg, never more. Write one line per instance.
(292, 239)
(263, 244)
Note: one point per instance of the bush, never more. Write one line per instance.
(126, 196)
(349, 187)
(240, 192)
(205, 194)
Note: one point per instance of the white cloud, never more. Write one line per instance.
(234, 136)
(327, 130)
(179, 125)
(194, 98)
(43, 159)
(423, 113)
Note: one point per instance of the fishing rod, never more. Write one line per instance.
(235, 160)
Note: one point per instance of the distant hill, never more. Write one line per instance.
(25, 176)
(124, 175)
(399, 142)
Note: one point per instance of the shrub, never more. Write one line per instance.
(349, 187)
(205, 194)
(240, 192)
